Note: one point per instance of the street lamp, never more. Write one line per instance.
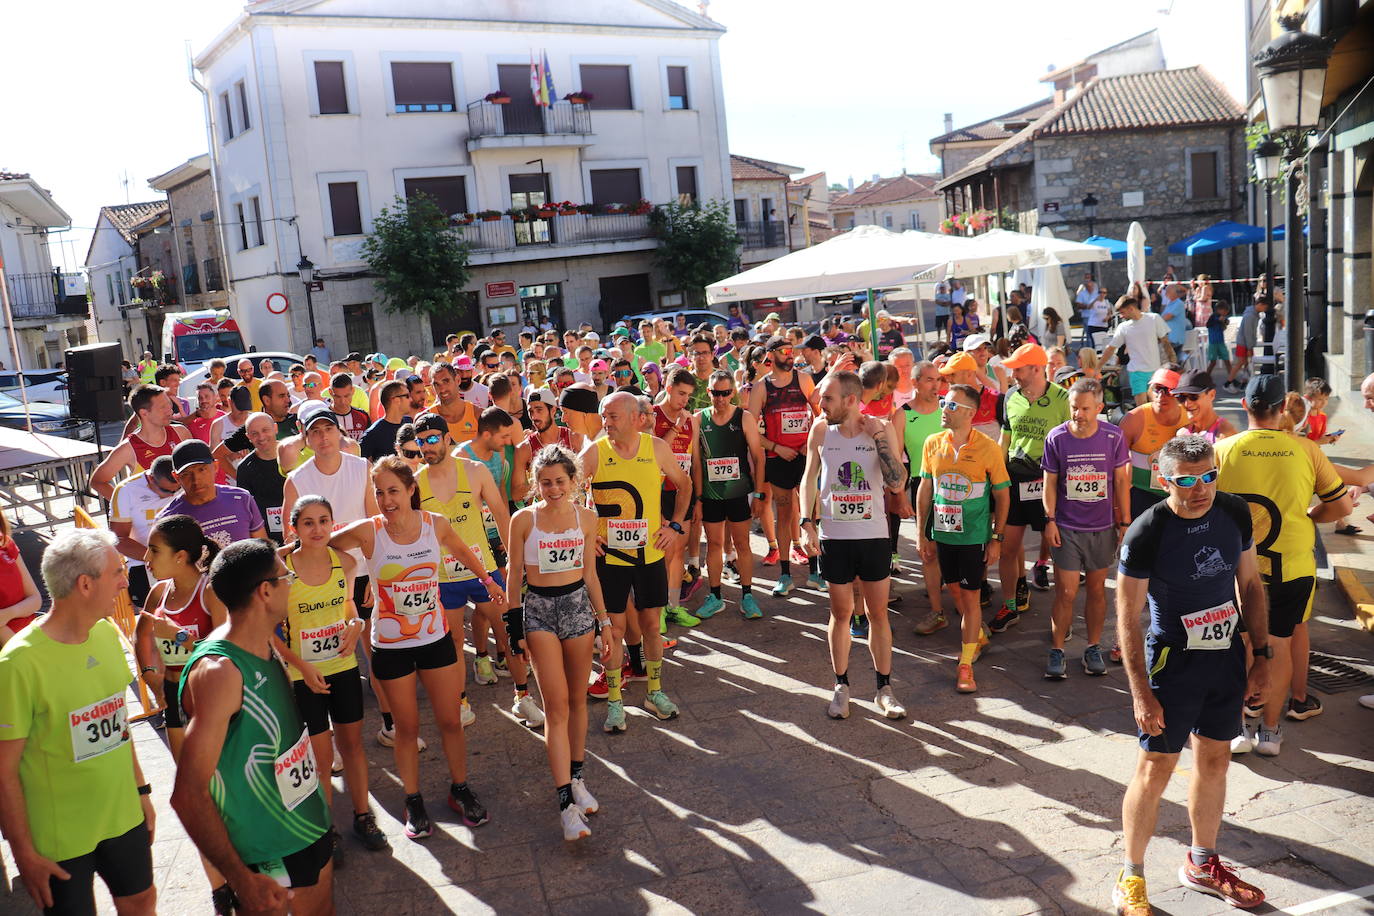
(1268, 158)
(1292, 74)
(306, 269)
(1090, 210)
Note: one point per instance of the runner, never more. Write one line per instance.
(225, 514)
(1087, 486)
(626, 469)
(1197, 394)
(206, 413)
(1147, 428)
(963, 503)
(557, 623)
(380, 438)
(846, 456)
(353, 420)
(239, 410)
(729, 471)
(1028, 411)
(675, 424)
(20, 600)
(1187, 557)
(1143, 334)
(321, 633)
(449, 403)
(962, 369)
(136, 502)
(247, 786)
(920, 419)
(404, 548)
(156, 435)
(261, 475)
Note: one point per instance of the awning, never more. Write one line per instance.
(1116, 246)
(1222, 235)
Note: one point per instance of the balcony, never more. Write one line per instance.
(761, 235)
(516, 125)
(214, 276)
(32, 295)
(556, 232)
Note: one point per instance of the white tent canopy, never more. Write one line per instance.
(999, 251)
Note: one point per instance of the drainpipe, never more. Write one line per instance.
(221, 222)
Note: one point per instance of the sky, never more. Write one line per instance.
(94, 111)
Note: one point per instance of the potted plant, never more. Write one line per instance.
(519, 214)
(567, 208)
(589, 209)
(543, 211)
(463, 219)
(579, 97)
(489, 216)
(615, 208)
(641, 207)
(497, 98)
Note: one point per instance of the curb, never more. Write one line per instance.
(1361, 601)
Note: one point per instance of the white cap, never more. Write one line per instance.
(592, 335)
(974, 341)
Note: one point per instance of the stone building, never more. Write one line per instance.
(1165, 148)
(902, 202)
(132, 270)
(766, 210)
(197, 240)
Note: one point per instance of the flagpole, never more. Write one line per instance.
(14, 345)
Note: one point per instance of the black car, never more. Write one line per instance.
(48, 419)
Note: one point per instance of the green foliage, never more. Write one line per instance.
(697, 245)
(419, 260)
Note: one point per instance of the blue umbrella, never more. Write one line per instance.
(1225, 234)
(1116, 246)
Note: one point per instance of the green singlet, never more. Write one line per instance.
(1029, 422)
(724, 458)
(266, 785)
(918, 428)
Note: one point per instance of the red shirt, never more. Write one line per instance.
(12, 584)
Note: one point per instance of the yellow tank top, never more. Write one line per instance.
(464, 513)
(1144, 451)
(628, 498)
(316, 620)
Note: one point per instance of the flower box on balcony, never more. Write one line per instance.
(463, 219)
(496, 98)
(546, 213)
(579, 98)
(588, 208)
(489, 216)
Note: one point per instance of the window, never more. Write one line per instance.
(110, 288)
(1202, 175)
(330, 87)
(422, 86)
(615, 186)
(359, 330)
(915, 220)
(671, 300)
(244, 121)
(463, 317)
(256, 206)
(243, 227)
(741, 210)
(609, 85)
(887, 220)
(677, 88)
(766, 209)
(687, 183)
(449, 192)
(228, 116)
(249, 218)
(345, 214)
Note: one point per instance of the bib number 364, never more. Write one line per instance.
(297, 777)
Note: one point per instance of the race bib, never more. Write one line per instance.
(1212, 628)
(415, 599)
(851, 507)
(1031, 490)
(99, 728)
(297, 778)
(454, 568)
(322, 644)
(1155, 480)
(627, 533)
(795, 421)
(684, 461)
(719, 470)
(559, 554)
(1086, 486)
(274, 519)
(950, 519)
(176, 656)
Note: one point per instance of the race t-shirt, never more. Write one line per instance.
(67, 702)
(963, 483)
(1086, 485)
(137, 503)
(264, 480)
(231, 516)
(1191, 564)
(1026, 423)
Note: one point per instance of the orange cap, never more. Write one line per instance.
(1166, 377)
(1028, 354)
(959, 362)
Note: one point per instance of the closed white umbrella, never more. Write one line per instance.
(1135, 254)
(1049, 292)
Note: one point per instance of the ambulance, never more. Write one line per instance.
(192, 338)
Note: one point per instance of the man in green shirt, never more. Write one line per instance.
(651, 350)
(73, 803)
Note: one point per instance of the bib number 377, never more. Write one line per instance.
(99, 728)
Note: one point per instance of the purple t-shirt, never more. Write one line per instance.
(231, 516)
(1085, 468)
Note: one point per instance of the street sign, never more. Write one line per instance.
(1051, 206)
(315, 286)
(500, 290)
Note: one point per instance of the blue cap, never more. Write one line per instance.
(1265, 392)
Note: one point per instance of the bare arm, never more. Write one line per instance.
(810, 486)
(127, 545)
(491, 495)
(224, 459)
(1337, 508)
(753, 439)
(520, 486)
(515, 540)
(288, 502)
(35, 870)
(589, 578)
(454, 545)
(358, 534)
(1130, 601)
(889, 462)
(667, 463)
(102, 478)
(30, 603)
(1356, 477)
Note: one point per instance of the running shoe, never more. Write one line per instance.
(1215, 878)
(582, 798)
(1005, 617)
(417, 820)
(1367, 701)
(771, 557)
(336, 762)
(1022, 596)
(712, 606)
(896, 564)
(1268, 741)
(817, 581)
(598, 690)
(933, 622)
(472, 811)
(730, 572)
(502, 667)
(1255, 711)
(663, 622)
(466, 716)
(784, 586)
(1304, 709)
(749, 607)
(984, 640)
(887, 704)
(985, 594)
(657, 702)
(1040, 577)
(680, 616)
(697, 580)
(366, 830)
(615, 716)
(483, 672)
(574, 823)
(628, 674)
(798, 555)
(1115, 654)
(527, 711)
(963, 681)
(224, 900)
(336, 851)
(1092, 661)
(839, 702)
(386, 737)
(858, 626)
(1128, 896)
(1244, 742)
(1055, 668)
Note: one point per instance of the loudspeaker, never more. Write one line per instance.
(94, 389)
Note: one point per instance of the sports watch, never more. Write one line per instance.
(1265, 651)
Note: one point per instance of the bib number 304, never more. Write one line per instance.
(99, 728)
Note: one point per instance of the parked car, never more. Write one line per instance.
(42, 384)
(48, 419)
(694, 317)
(281, 358)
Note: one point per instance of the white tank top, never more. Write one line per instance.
(851, 488)
(345, 489)
(406, 577)
(554, 551)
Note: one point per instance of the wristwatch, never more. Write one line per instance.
(997, 536)
(1265, 651)
(675, 526)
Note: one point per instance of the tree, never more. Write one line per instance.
(420, 263)
(697, 245)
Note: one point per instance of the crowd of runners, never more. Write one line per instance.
(294, 531)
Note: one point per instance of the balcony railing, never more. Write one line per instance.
(507, 235)
(32, 295)
(761, 235)
(214, 276)
(487, 119)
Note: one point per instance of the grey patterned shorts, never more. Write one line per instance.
(566, 616)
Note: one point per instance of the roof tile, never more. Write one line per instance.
(886, 191)
(128, 217)
(1157, 98)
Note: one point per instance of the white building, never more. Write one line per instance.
(112, 262)
(36, 293)
(903, 202)
(324, 112)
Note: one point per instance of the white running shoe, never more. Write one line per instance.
(887, 704)
(582, 798)
(527, 711)
(1243, 743)
(386, 737)
(469, 718)
(336, 767)
(839, 702)
(1268, 741)
(574, 823)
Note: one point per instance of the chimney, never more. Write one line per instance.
(851, 184)
(949, 122)
(877, 178)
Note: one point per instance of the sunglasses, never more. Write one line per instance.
(951, 404)
(1188, 398)
(783, 351)
(623, 374)
(1160, 389)
(432, 439)
(1188, 481)
(410, 453)
(722, 393)
(289, 576)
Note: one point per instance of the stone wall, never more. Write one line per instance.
(194, 215)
